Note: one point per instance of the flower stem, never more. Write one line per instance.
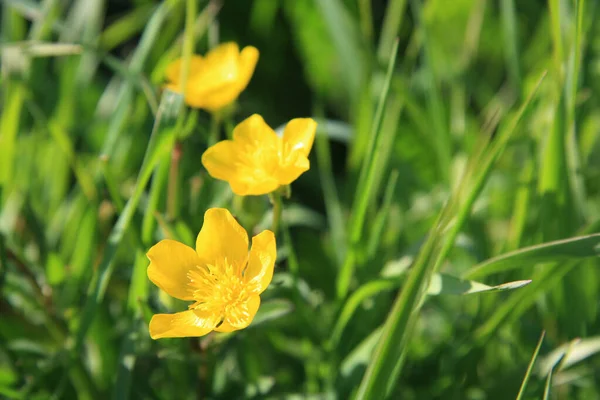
(275, 198)
(188, 43)
(172, 191)
(214, 130)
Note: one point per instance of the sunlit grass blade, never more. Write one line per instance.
(569, 354)
(530, 367)
(9, 126)
(444, 284)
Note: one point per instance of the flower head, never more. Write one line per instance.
(257, 161)
(217, 79)
(220, 277)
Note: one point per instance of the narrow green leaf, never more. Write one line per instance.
(530, 367)
(345, 36)
(361, 353)
(442, 284)
(126, 26)
(161, 143)
(577, 247)
(388, 358)
(569, 354)
(127, 359)
(547, 387)
(361, 294)
(365, 188)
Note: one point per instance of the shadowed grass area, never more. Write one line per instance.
(442, 245)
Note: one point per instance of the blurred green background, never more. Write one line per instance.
(467, 149)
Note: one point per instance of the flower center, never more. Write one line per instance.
(220, 290)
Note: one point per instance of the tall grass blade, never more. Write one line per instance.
(365, 188)
(160, 143)
(536, 352)
(388, 358)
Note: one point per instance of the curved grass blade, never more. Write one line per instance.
(569, 354)
(576, 247)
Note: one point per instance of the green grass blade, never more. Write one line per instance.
(361, 294)
(382, 216)
(9, 126)
(127, 360)
(387, 360)
(577, 247)
(333, 206)
(547, 387)
(509, 25)
(366, 181)
(346, 37)
(126, 26)
(390, 30)
(160, 143)
(569, 354)
(444, 284)
(536, 352)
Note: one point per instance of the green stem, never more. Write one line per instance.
(214, 130)
(172, 191)
(275, 198)
(188, 43)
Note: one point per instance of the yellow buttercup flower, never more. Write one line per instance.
(217, 79)
(220, 276)
(257, 161)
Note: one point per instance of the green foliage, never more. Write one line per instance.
(457, 141)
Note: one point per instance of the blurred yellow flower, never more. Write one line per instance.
(217, 79)
(221, 277)
(257, 161)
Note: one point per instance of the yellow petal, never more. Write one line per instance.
(247, 65)
(257, 135)
(250, 187)
(220, 238)
(221, 160)
(299, 135)
(182, 324)
(173, 70)
(241, 316)
(250, 162)
(261, 261)
(216, 97)
(226, 161)
(220, 69)
(170, 262)
(288, 173)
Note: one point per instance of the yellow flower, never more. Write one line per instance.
(257, 161)
(221, 277)
(217, 79)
